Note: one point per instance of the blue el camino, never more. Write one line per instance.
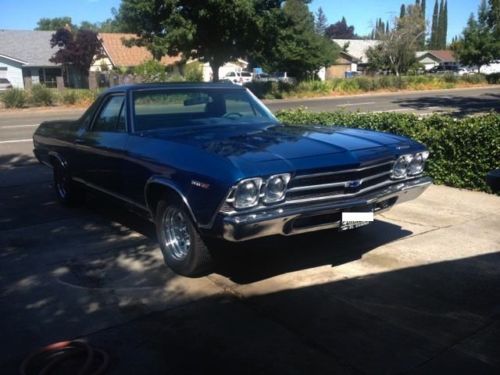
(210, 160)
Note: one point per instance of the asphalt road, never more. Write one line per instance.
(457, 101)
(17, 127)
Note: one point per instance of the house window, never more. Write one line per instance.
(3, 72)
(48, 76)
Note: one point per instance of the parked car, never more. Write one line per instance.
(451, 68)
(264, 77)
(239, 78)
(492, 68)
(211, 161)
(5, 84)
(283, 77)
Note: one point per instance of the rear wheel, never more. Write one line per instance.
(67, 191)
(183, 248)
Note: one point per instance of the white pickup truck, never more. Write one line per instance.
(239, 78)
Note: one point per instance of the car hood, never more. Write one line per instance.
(292, 147)
(265, 143)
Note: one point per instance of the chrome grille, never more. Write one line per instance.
(336, 184)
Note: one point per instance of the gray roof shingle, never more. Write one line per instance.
(31, 47)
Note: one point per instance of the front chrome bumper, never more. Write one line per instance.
(318, 216)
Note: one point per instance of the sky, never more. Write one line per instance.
(24, 14)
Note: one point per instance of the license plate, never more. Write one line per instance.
(352, 220)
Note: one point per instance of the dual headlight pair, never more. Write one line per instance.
(248, 193)
(409, 165)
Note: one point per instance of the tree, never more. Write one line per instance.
(434, 31)
(441, 28)
(444, 32)
(52, 24)
(422, 11)
(381, 28)
(397, 48)
(402, 11)
(78, 49)
(149, 19)
(213, 31)
(321, 22)
(110, 25)
(340, 30)
(478, 44)
(299, 50)
(494, 18)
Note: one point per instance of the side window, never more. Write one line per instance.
(111, 118)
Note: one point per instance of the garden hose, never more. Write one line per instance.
(43, 361)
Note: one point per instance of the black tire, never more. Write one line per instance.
(187, 254)
(68, 192)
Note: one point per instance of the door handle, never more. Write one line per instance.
(79, 141)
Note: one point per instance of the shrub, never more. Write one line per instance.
(364, 83)
(151, 71)
(14, 98)
(462, 150)
(193, 72)
(450, 78)
(42, 96)
(69, 97)
(473, 78)
(270, 90)
(493, 78)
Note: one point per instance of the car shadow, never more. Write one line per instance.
(457, 105)
(256, 260)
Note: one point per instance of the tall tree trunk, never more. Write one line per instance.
(215, 65)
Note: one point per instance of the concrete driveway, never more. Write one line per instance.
(416, 292)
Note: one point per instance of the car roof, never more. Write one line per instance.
(174, 85)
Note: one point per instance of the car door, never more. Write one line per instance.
(102, 145)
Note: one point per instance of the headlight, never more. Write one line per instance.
(409, 165)
(400, 169)
(275, 189)
(247, 193)
(417, 164)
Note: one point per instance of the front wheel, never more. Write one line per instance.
(183, 248)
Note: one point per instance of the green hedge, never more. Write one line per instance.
(462, 150)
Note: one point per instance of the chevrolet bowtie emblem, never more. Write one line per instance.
(353, 184)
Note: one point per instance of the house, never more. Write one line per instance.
(353, 53)
(430, 59)
(344, 64)
(117, 55)
(25, 57)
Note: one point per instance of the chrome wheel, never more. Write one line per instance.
(176, 233)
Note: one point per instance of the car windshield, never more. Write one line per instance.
(173, 108)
